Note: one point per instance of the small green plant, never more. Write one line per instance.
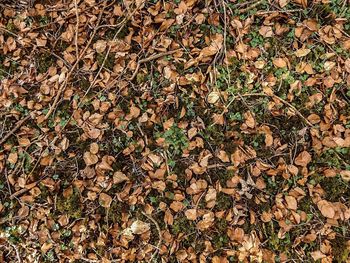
(175, 140)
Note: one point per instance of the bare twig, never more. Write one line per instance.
(159, 233)
(150, 58)
(14, 129)
(76, 29)
(278, 11)
(252, 6)
(275, 97)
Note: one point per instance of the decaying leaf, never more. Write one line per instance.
(105, 200)
(138, 227)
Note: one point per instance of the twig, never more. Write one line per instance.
(14, 129)
(65, 82)
(278, 11)
(76, 29)
(24, 190)
(244, 10)
(275, 97)
(159, 233)
(8, 182)
(19, 260)
(150, 58)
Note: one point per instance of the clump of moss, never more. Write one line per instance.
(109, 63)
(341, 251)
(71, 205)
(44, 62)
(182, 225)
(335, 188)
(223, 201)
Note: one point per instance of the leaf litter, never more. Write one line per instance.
(175, 131)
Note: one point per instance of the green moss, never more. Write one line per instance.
(341, 251)
(182, 225)
(44, 62)
(109, 63)
(71, 205)
(223, 201)
(335, 188)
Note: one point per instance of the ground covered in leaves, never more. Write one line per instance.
(175, 131)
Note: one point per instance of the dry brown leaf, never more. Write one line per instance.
(12, 158)
(280, 62)
(345, 175)
(291, 202)
(105, 200)
(213, 97)
(191, 214)
(139, 227)
(90, 159)
(266, 31)
(303, 159)
(326, 208)
(119, 177)
(302, 52)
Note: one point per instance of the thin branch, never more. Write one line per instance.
(14, 129)
(159, 233)
(275, 97)
(150, 58)
(252, 6)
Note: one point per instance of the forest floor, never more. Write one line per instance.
(175, 131)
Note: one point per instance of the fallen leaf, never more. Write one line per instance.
(280, 62)
(291, 202)
(90, 159)
(138, 227)
(303, 159)
(213, 97)
(105, 200)
(326, 208)
(119, 177)
(302, 52)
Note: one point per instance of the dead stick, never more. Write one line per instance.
(150, 58)
(18, 125)
(244, 10)
(159, 233)
(276, 97)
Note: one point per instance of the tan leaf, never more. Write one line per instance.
(213, 97)
(24, 142)
(192, 132)
(105, 200)
(302, 52)
(280, 62)
(100, 46)
(326, 208)
(13, 157)
(303, 159)
(119, 177)
(223, 156)
(94, 148)
(90, 159)
(139, 227)
(345, 175)
(191, 214)
(283, 3)
(249, 119)
(328, 65)
(259, 64)
(266, 31)
(316, 255)
(291, 202)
